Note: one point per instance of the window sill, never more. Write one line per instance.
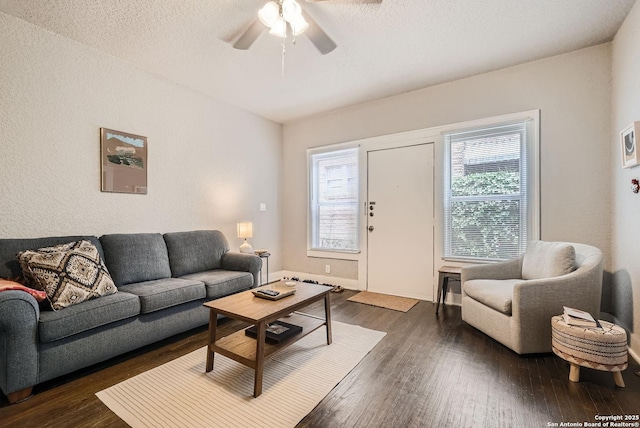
(355, 255)
(470, 260)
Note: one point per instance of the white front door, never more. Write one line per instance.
(400, 221)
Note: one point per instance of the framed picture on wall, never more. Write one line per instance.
(630, 156)
(123, 162)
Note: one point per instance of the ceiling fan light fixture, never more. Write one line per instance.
(269, 13)
(299, 26)
(291, 10)
(279, 27)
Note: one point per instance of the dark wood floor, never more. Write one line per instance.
(427, 372)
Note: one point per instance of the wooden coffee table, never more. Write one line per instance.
(254, 310)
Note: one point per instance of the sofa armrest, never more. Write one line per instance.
(19, 314)
(244, 263)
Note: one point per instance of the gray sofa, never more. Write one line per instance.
(162, 281)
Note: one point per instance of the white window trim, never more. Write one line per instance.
(433, 133)
(326, 254)
(533, 168)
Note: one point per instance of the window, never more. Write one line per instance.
(487, 193)
(333, 177)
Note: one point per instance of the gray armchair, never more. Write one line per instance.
(513, 301)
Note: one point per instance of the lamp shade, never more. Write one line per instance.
(245, 230)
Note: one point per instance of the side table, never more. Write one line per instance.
(593, 347)
(264, 254)
(444, 274)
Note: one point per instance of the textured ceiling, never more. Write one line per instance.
(383, 49)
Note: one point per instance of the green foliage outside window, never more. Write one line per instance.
(486, 183)
(485, 228)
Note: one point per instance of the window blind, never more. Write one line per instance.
(334, 200)
(486, 192)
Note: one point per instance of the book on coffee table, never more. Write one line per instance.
(276, 332)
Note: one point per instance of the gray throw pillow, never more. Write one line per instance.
(548, 259)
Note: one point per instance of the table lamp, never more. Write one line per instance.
(245, 230)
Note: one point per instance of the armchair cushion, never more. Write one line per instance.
(496, 294)
(548, 259)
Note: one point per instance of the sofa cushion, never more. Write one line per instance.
(221, 283)
(195, 251)
(548, 259)
(163, 293)
(494, 293)
(136, 257)
(69, 273)
(54, 325)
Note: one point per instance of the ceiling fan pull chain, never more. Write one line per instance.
(284, 51)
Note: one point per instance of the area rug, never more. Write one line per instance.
(402, 304)
(180, 393)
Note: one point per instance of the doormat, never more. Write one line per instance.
(402, 304)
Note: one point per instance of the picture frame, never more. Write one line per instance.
(630, 153)
(123, 162)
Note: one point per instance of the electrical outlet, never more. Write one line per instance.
(263, 206)
(327, 268)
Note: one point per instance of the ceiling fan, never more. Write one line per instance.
(286, 17)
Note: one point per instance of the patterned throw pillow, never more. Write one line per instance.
(69, 273)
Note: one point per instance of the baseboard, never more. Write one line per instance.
(635, 356)
(276, 276)
(346, 283)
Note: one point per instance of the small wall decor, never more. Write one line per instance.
(123, 163)
(635, 185)
(630, 155)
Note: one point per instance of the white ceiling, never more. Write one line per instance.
(383, 49)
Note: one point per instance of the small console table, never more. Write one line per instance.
(445, 273)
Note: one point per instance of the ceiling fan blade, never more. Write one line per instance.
(318, 37)
(250, 35)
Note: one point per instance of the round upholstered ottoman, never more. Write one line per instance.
(593, 347)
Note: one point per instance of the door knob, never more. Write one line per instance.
(370, 228)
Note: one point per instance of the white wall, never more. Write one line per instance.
(209, 164)
(573, 93)
(625, 204)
